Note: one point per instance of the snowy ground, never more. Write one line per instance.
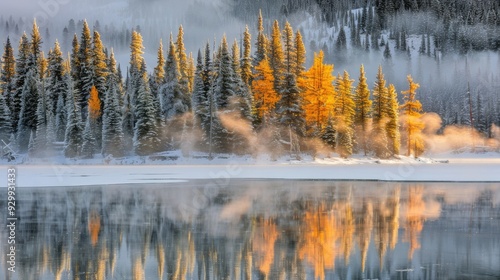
(447, 167)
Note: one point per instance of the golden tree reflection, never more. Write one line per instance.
(414, 218)
(94, 226)
(364, 231)
(317, 244)
(264, 237)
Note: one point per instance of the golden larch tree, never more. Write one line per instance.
(344, 110)
(264, 95)
(318, 92)
(94, 105)
(412, 124)
(362, 118)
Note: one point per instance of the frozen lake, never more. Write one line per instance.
(257, 229)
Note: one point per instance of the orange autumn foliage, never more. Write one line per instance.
(319, 91)
(265, 97)
(94, 104)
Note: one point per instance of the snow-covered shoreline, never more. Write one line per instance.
(450, 168)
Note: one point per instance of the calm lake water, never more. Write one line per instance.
(251, 229)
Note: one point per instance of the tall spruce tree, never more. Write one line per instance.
(146, 139)
(261, 44)
(380, 116)
(276, 57)
(392, 126)
(200, 101)
(7, 73)
(85, 71)
(173, 100)
(344, 112)
(74, 128)
(246, 61)
(112, 132)
(5, 122)
(363, 111)
(20, 79)
(56, 84)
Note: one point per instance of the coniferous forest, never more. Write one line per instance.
(273, 90)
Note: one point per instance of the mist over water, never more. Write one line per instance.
(255, 229)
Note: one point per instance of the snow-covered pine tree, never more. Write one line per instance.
(200, 101)
(27, 115)
(74, 128)
(112, 132)
(300, 52)
(289, 107)
(5, 122)
(31, 145)
(224, 86)
(61, 117)
(7, 73)
(242, 99)
(89, 145)
(246, 61)
(329, 134)
(275, 55)
(20, 79)
(173, 100)
(41, 126)
(261, 44)
(84, 82)
(55, 83)
(146, 140)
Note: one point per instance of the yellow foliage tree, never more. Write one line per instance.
(94, 104)
(265, 97)
(412, 124)
(319, 92)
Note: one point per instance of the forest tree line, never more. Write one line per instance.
(218, 104)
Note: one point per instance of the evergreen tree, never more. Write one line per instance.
(344, 111)
(27, 116)
(41, 126)
(200, 99)
(5, 122)
(276, 57)
(261, 44)
(224, 86)
(7, 73)
(20, 79)
(100, 69)
(246, 61)
(173, 100)
(84, 81)
(289, 108)
(61, 118)
(146, 139)
(392, 127)
(89, 145)
(300, 51)
(74, 129)
(329, 134)
(380, 116)
(112, 133)
(56, 85)
(363, 111)
(290, 53)
(180, 53)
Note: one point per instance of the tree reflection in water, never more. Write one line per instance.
(259, 230)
